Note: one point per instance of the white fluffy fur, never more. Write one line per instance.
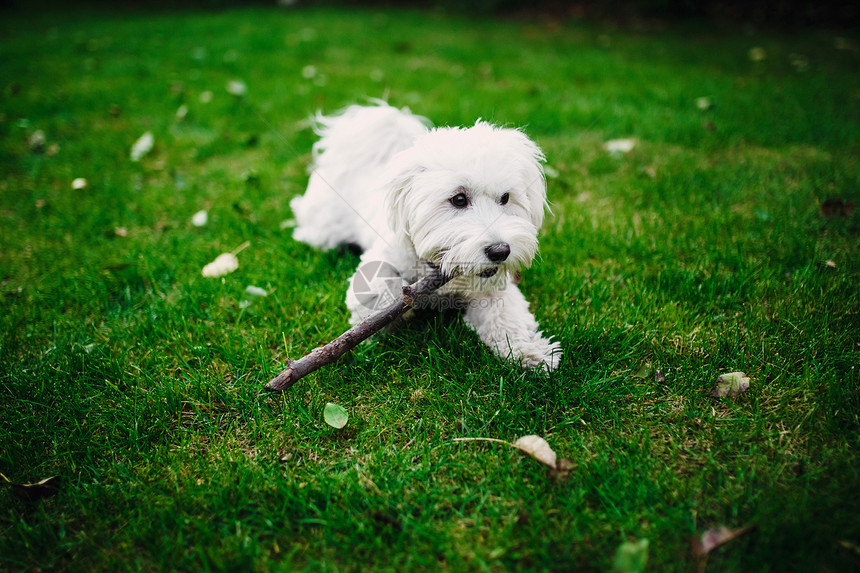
(383, 180)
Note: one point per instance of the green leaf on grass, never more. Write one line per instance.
(731, 385)
(644, 370)
(631, 557)
(335, 416)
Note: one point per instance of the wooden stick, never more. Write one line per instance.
(319, 357)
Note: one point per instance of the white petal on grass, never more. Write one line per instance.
(335, 416)
(181, 112)
(142, 146)
(79, 183)
(550, 172)
(255, 291)
(237, 88)
(704, 103)
(224, 264)
(200, 218)
(538, 448)
(620, 145)
(731, 385)
(206, 97)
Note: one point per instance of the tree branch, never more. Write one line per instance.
(319, 357)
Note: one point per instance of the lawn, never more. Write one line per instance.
(724, 240)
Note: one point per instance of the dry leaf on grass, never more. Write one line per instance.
(618, 146)
(713, 538)
(237, 88)
(538, 448)
(37, 141)
(142, 146)
(224, 264)
(200, 218)
(731, 385)
(33, 491)
(535, 447)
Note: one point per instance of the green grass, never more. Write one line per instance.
(702, 251)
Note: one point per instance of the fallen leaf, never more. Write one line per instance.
(713, 538)
(237, 88)
(309, 72)
(644, 370)
(225, 263)
(618, 146)
(704, 103)
(757, 54)
(37, 141)
(33, 491)
(255, 291)
(731, 385)
(79, 183)
(251, 292)
(142, 146)
(121, 232)
(837, 208)
(631, 557)
(829, 263)
(538, 448)
(335, 416)
(200, 218)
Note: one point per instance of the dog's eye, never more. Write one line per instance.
(504, 198)
(459, 200)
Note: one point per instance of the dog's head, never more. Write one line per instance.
(469, 199)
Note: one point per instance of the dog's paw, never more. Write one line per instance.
(541, 354)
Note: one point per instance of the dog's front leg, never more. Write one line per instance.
(505, 324)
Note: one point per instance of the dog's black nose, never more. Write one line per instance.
(498, 252)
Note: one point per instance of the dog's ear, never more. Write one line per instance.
(398, 179)
(533, 182)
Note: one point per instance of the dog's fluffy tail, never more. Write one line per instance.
(338, 206)
(363, 137)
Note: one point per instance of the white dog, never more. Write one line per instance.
(410, 196)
